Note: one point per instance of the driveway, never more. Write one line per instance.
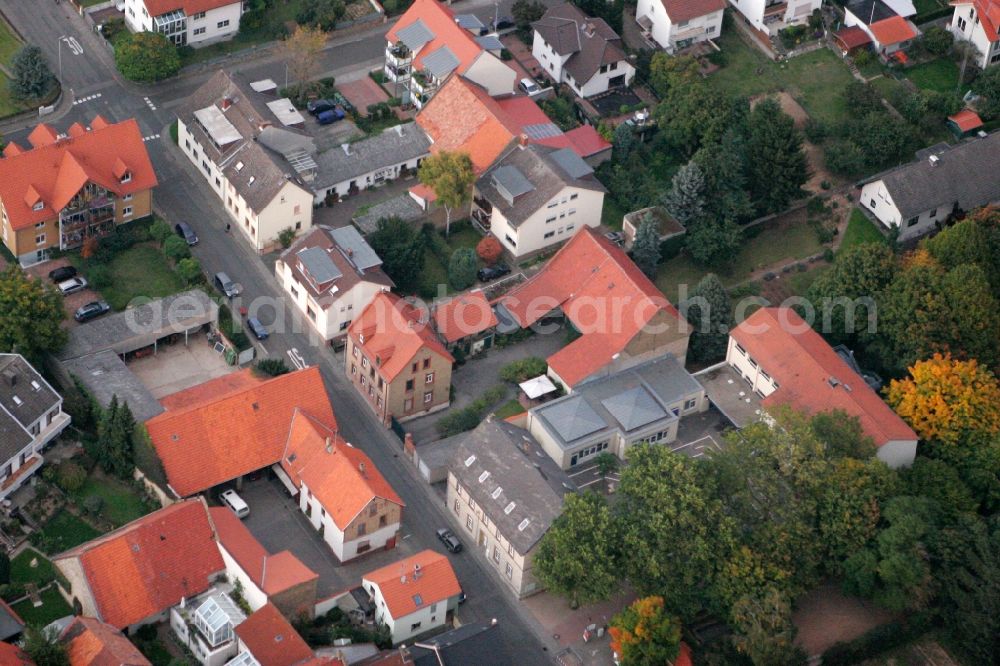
(477, 375)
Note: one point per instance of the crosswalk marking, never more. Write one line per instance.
(149, 103)
(88, 98)
(151, 137)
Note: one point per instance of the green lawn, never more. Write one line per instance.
(769, 246)
(799, 283)
(64, 531)
(53, 607)
(139, 271)
(816, 79)
(612, 215)
(885, 85)
(21, 570)
(9, 43)
(939, 75)
(121, 504)
(508, 409)
(434, 274)
(463, 236)
(860, 230)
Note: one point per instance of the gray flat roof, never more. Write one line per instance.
(285, 111)
(104, 374)
(357, 249)
(403, 207)
(730, 394)
(217, 125)
(142, 325)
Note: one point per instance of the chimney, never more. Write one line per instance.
(361, 468)
(10, 377)
(226, 103)
(934, 159)
(522, 140)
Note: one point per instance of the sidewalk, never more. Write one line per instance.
(566, 626)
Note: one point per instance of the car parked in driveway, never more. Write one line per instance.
(235, 503)
(91, 310)
(318, 106)
(616, 237)
(185, 231)
(450, 541)
(330, 116)
(62, 273)
(492, 272)
(72, 285)
(257, 328)
(529, 86)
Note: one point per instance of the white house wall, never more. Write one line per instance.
(756, 377)
(373, 178)
(898, 453)
(664, 32)
(491, 73)
(549, 226)
(876, 198)
(253, 594)
(429, 617)
(329, 322)
(964, 15)
(217, 25)
(550, 61)
(317, 515)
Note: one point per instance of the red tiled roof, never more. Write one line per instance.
(440, 20)
(802, 363)
(852, 37)
(605, 295)
(892, 30)
(988, 12)
(232, 426)
(684, 656)
(966, 120)
(400, 589)
(394, 334)
(271, 639)
(90, 642)
(147, 566)
(342, 477)
(229, 383)
(585, 141)
(523, 111)
(464, 315)
(685, 10)
(11, 655)
(425, 192)
(54, 170)
(272, 573)
(190, 7)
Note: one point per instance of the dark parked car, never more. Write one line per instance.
(503, 23)
(91, 310)
(318, 106)
(227, 286)
(257, 328)
(62, 273)
(330, 116)
(492, 272)
(185, 231)
(450, 541)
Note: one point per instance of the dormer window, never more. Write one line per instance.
(127, 177)
(38, 206)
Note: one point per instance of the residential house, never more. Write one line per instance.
(583, 52)
(31, 416)
(11, 624)
(231, 426)
(206, 625)
(339, 490)
(349, 168)
(464, 117)
(220, 129)
(267, 639)
(396, 362)
(280, 579)
(134, 575)
(644, 403)
(677, 24)
(921, 196)
(466, 322)
(427, 44)
(67, 187)
(886, 23)
(186, 22)
(505, 493)
(978, 22)
(622, 318)
(414, 595)
(90, 642)
(783, 361)
(769, 17)
(331, 274)
(535, 197)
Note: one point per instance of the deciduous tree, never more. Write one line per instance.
(146, 56)
(645, 634)
(489, 250)
(302, 49)
(946, 400)
(710, 314)
(44, 647)
(577, 557)
(974, 240)
(713, 241)
(765, 630)
(778, 167)
(32, 78)
(450, 175)
(987, 85)
(842, 436)
(31, 312)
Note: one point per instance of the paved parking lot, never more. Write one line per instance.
(277, 522)
(72, 302)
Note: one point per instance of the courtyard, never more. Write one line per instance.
(176, 367)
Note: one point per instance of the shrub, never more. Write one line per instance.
(92, 504)
(146, 56)
(70, 476)
(271, 367)
(99, 277)
(462, 268)
(176, 248)
(286, 236)
(189, 270)
(11, 591)
(815, 131)
(468, 418)
(160, 231)
(523, 369)
(489, 250)
(937, 40)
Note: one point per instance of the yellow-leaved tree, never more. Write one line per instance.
(945, 399)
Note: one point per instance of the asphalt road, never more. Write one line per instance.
(91, 80)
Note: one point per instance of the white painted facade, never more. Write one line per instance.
(344, 549)
(768, 16)
(373, 178)
(965, 25)
(201, 29)
(876, 198)
(513, 567)
(553, 223)
(427, 618)
(673, 36)
(234, 572)
(292, 206)
(613, 75)
(330, 321)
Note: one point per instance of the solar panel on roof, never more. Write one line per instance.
(469, 21)
(441, 62)
(542, 130)
(571, 163)
(358, 251)
(489, 43)
(415, 35)
(319, 265)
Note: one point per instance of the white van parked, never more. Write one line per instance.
(236, 503)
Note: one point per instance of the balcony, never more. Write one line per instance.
(775, 12)
(482, 212)
(397, 55)
(77, 226)
(423, 83)
(397, 74)
(59, 423)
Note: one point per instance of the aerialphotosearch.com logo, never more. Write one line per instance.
(608, 314)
